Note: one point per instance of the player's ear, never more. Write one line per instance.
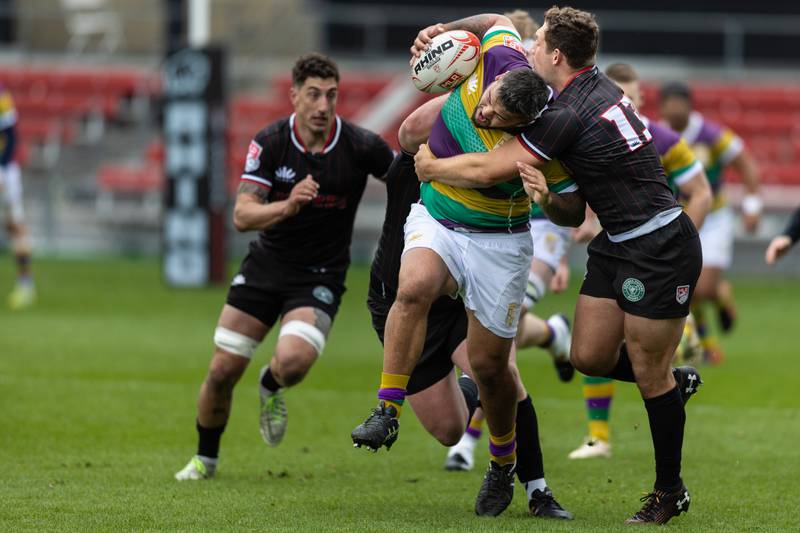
(500, 76)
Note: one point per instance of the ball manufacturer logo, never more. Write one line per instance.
(454, 79)
(633, 289)
(432, 56)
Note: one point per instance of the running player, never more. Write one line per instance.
(303, 178)
(717, 148)
(492, 225)
(686, 177)
(642, 268)
(442, 403)
(24, 293)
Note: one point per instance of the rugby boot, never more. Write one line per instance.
(497, 490)
(544, 505)
(195, 470)
(559, 347)
(591, 448)
(660, 506)
(688, 380)
(273, 415)
(381, 428)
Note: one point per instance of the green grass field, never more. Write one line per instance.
(98, 386)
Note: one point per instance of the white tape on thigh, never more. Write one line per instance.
(305, 331)
(234, 342)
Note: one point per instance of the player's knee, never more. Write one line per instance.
(292, 367)
(415, 295)
(223, 373)
(489, 371)
(586, 362)
(448, 434)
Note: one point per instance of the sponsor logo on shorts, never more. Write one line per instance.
(415, 237)
(285, 174)
(633, 289)
(682, 294)
(253, 154)
(511, 314)
(238, 279)
(323, 294)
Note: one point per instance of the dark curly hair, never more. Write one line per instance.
(574, 32)
(314, 66)
(523, 93)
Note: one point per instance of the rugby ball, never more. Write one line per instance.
(449, 60)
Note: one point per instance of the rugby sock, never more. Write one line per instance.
(530, 466)
(269, 382)
(475, 428)
(533, 291)
(503, 449)
(598, 393)
(470, 391)
(711, 348)
(667, 420)
(624, 370)
(393, 390)
(208, 441)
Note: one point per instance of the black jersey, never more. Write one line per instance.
(594, 132)
(318, 237)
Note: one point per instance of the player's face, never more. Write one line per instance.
(315, 103)
(675, 111)
(491, 114)
(540, 58)
(632, 91)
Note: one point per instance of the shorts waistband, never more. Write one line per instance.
(657, 222)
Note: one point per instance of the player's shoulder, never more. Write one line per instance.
(273, 130)
(662, 132)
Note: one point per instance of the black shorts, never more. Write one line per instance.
(447, 328)
(267, 290)
(652, 276)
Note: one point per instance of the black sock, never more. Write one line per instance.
(529, 451)
(667, 420)
(470, 391)
(624, 370)
(208, 442)
(268, 381)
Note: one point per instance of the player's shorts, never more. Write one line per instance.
(11, 191)
(447, 328)
(491, 269)
(550, 242)
(652, 276)
(266, 290)
(716, 236)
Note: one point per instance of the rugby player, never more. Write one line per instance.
(472, 243)
(303, 178)
(780, 244)
(716, 147)
(642, 267)
(686, 177)
(24, 293)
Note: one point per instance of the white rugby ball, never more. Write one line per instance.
(449, 60)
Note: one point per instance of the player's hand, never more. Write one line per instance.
(751, 222)
(560, 279)
(777, 248)
(535, 184)
(422, 163)
(302, 194)
(423, 39)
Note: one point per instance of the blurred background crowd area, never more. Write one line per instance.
(86, 79)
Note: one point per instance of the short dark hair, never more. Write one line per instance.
(524, 93)
(314, 66)
(675, 88)
(622, 73)
(574, 32)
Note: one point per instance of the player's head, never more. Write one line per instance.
(675, 103)
(568, 41)
(514, 99)
(626, 78)
(315, 85)
(526, 26)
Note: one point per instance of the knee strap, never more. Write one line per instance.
(305, 331)
(234, 342)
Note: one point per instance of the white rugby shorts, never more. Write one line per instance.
(550, 241)
(716, 238)
(11, 191)
(491, 269)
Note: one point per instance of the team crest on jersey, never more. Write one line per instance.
(285, 173)
(513, 43)
(682, 294)
(323, 294)
(253, 157)
(633, 289)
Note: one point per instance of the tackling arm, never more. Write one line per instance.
(698, 191)
(417, 126)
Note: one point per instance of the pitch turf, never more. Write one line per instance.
(98, 386)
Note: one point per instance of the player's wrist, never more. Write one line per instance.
(752, 204)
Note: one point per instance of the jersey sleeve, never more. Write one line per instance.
(257, 163)
(502, 51)
(680, 163)
(726, 147)
(551, 134)
(378, 155)
(558, 180)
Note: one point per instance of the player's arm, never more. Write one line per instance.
(698, 191)
(564, 209)
(254, 211)
(781, 244)
(477, 24)
(417, 126)
(751, 205)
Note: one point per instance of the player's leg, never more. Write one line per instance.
(706, 292)
(441, 408)
(236, 337)
(598, 393)
(301, 340)
(24, 293)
